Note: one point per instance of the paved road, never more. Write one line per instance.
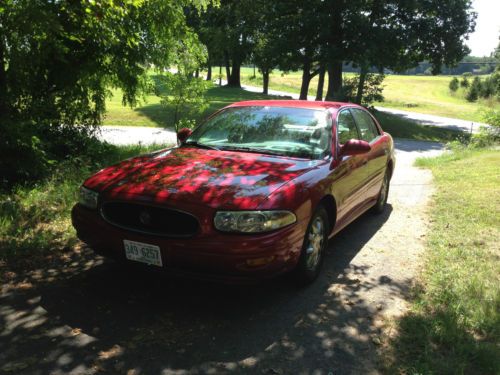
(125, 135)
(82, 315)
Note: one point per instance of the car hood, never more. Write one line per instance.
(219, 179)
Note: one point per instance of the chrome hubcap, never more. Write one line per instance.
(315, 243)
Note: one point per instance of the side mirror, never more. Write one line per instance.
(183, 134)
(354, 147)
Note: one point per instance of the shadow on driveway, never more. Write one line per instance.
(109, 319)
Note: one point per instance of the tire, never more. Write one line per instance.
(383, 195)
(313, 248)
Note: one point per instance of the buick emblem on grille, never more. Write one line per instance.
(145, 218)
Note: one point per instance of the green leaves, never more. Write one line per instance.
(184, 94)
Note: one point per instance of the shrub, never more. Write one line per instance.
(464, 82)
(372, 89)
(185, 95)
(454, 84)
(474, 90)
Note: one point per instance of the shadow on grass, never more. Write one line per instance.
(218, 97)
(400, 127)
(85, 314)
(436, 341)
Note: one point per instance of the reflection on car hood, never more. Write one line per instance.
(219, 179)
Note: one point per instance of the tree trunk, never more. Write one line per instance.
(321, 83)
(234, 78)
(197, 73)
(334, 81)
(361, 84)
(306, 79)
(209, 71)
(220, 75)
(265, 79)
(228, 66)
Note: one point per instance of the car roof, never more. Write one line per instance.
(292, 103)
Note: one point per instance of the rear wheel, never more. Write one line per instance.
(313, 249)
(384, 193)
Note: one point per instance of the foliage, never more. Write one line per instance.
(59, 59)
(486, 88)
(474, 90)
(35, 220)
(372, 88)
(185, 95)
(464, 82)
(454, 84)
(453, 325)
(489, 135)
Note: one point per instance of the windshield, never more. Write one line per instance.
(299, 132)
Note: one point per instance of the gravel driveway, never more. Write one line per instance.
(85, 315)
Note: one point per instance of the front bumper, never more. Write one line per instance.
(211, 255)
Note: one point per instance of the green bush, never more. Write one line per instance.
(30, 152)
(372, 89)
(464, 82)
(454, 84)
(474, 90)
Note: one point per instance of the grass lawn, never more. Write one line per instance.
(152, 113)
(454, 324)
(423, 94)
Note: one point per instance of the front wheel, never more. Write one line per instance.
(313, 249)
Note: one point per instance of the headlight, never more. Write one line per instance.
(252, 221)
(88, 198)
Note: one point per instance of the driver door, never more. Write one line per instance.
(350, 172)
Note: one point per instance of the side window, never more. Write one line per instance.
(346, 127)
(367, 128)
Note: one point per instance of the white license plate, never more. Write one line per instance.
(143, 252)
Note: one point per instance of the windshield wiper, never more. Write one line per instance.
(201, 145)
(252, 149)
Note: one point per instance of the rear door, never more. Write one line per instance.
(374, 161)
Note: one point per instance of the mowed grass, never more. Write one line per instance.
(454, 324)
(422, 94)
(150, 112)
(401, 127)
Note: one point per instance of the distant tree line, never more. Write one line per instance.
(319, 37)
(469, 64)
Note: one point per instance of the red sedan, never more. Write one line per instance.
(255, 191)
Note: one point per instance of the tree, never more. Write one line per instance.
(409, 31)
(185, 95)
(474, 91)
(232, 27)
(58, 60)
(265, 58)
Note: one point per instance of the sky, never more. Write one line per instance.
(485, 38)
